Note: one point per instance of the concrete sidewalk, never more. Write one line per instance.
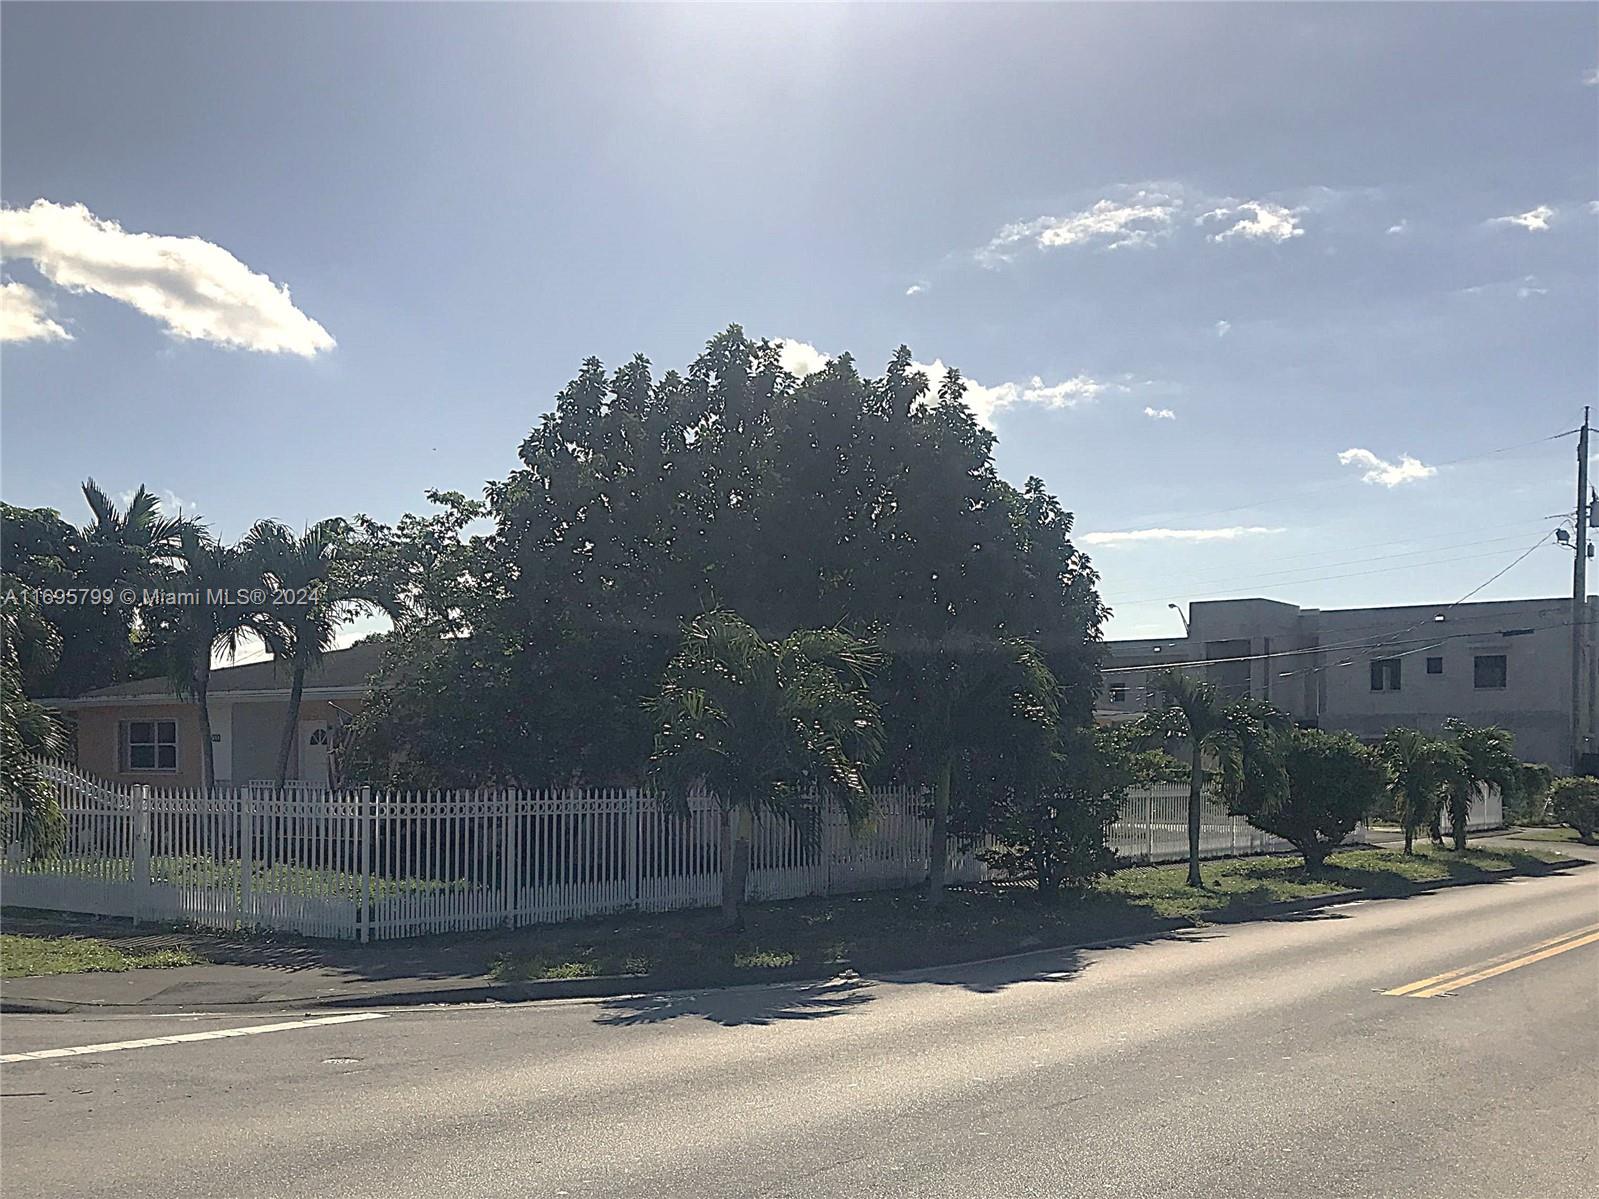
(277, 972)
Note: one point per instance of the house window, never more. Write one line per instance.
(1489, 672)
(1118, 693)
(150, 744)
(1435, 665)
(1385, 674)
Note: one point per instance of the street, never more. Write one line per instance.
(1258, 1059)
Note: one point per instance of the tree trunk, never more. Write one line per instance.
(736, 828)
(1410, 839)
(1195, 800)
(938, 840)
(296, 693)
(1459, 815)
(202, 700)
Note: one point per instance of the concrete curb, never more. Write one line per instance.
(620, 986)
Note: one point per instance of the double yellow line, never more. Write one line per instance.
(1453, 980)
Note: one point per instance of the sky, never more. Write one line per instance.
(1285, 300)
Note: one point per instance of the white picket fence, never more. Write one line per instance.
(1153, 827)
(373, 864)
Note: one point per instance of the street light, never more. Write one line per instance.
(1181, 617)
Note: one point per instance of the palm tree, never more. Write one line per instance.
(29, 809)
(1483, 757)
(953, 701)
(1250, 768)
(213, 580)
(141, 527)
(764, 726)
(299, 633)
(1242, 737)
(1419, 766)
(1193, 713)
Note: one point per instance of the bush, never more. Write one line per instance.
(1575, 802)
(1333, 782)
(1053, 832)
(1528, 802)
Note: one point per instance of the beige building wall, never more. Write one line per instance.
(99, 751)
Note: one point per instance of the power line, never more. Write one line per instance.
(1278, 579)
(1354, 645)
(1230, 592)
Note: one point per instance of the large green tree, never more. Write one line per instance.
(765, 726)
(643, 500)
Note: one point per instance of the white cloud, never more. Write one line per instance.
(1529, 287)
(1256, 220)
(1109, 224)
(1592, 77)
(987, 402)
(1593, 206)
(171, 503)
(1388, 474)
(800, 358)
(1132, 536)
(198, 290)
(22, 316)
(916, 289)
(1400, 226)
(1535, 220)
(1160, 414)
(1223, 328)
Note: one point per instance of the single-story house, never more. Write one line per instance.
(144, 732)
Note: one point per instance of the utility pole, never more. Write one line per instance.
(1579, 596)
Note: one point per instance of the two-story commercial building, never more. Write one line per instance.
(1366, 670)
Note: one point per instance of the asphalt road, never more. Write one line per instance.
(1247, 1060)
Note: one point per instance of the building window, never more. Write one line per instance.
(1435, 665)
(1385, 674)
(1118, 693)
(1489, 672)
(150, 744)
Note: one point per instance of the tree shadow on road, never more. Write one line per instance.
(737, 1006)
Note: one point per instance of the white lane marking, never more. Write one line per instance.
(212, 1035)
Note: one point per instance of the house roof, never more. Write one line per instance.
(342, 673)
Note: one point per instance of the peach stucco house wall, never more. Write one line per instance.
(144, 733)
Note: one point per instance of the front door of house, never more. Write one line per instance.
(314, 738)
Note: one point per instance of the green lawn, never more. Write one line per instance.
(22, 955)
(894, 930)
(1558, 833)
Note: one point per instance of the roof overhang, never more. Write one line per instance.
(171, 697)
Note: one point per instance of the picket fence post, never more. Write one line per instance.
(508, 806)
(364, 917)
(141, 849)
(632, 846)
(246, 856)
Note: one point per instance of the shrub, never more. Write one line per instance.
(1053, 831)
(1333, 782)
(1575, 802)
